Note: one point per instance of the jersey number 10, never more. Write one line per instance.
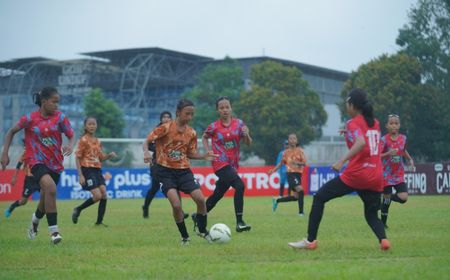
(374, 141)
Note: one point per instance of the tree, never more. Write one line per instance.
(427, 37)
(278, 103)
(394, 86)
(223, 79)
(110, 120)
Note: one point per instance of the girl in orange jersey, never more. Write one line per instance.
(30, 185)
(89, 157)
(294, 158)
(176, 143)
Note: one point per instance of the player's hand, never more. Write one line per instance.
(271, 171)
(147, 157)
(393, 152)
(5, 161)
(245, 130)
(112, 155)
(67, 150)
(337, 166)
(14, 180)
(210, 156)
(82, 180)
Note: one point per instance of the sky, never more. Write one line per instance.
(336, 34)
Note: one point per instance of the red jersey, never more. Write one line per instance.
(393, 168)
(43, 138)
(364, 170)
(225, 142)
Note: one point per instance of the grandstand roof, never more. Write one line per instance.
(16, 63)
(127, 54)
(306, 68)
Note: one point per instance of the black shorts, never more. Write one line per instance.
(399, 188)
(93, 178)
(227, 176)
(179, 179)
(294, 180)
(30, 185)
(41, 169)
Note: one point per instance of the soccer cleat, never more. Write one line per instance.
(7, 212)
(303, 244)
(75, 215)
(206, 236)
(32, 231)
(385, 244)
(144, 212)
(301, 214)
(194, 219)
(242, 226)
(185, 241)
(274, 204)
(100, 224)
(56, 238)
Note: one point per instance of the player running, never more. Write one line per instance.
(393, 153)
(89, 157)
(363, 174)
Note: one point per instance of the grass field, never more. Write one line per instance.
(132, 248)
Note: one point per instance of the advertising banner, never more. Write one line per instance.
(432, 178)
(7, 190)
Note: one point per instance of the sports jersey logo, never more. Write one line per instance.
(229, 145)
(47, 141)
(175, 155)
(396, 159)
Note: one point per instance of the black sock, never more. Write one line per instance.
(385, 210)
(88, 202)
(397, 199)
(239, 218)
(286, 199)
(182, 229)
(39, 214)
(201, 221)
(14, 205)
(300, 202)
(52, 219)
(101, 210)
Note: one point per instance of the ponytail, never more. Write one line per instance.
(45, 93)
(358, 98)
(367, 112)
(37, 98)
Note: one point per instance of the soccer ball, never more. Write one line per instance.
(220, 233)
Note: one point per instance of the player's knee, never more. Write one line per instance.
(96, 197)
(403, 198)
(239, 187)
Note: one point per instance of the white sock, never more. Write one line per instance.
(53, 229)
(35, 219)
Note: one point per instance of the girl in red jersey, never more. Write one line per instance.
(393, 147)
(89, 157)
(43, 141)
(176, 143)
(294, 158)
(226, 134)
(363, 173)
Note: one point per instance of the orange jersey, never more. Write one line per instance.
(26, 167)
(292, 158)
(89, 152)
(172, 146)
